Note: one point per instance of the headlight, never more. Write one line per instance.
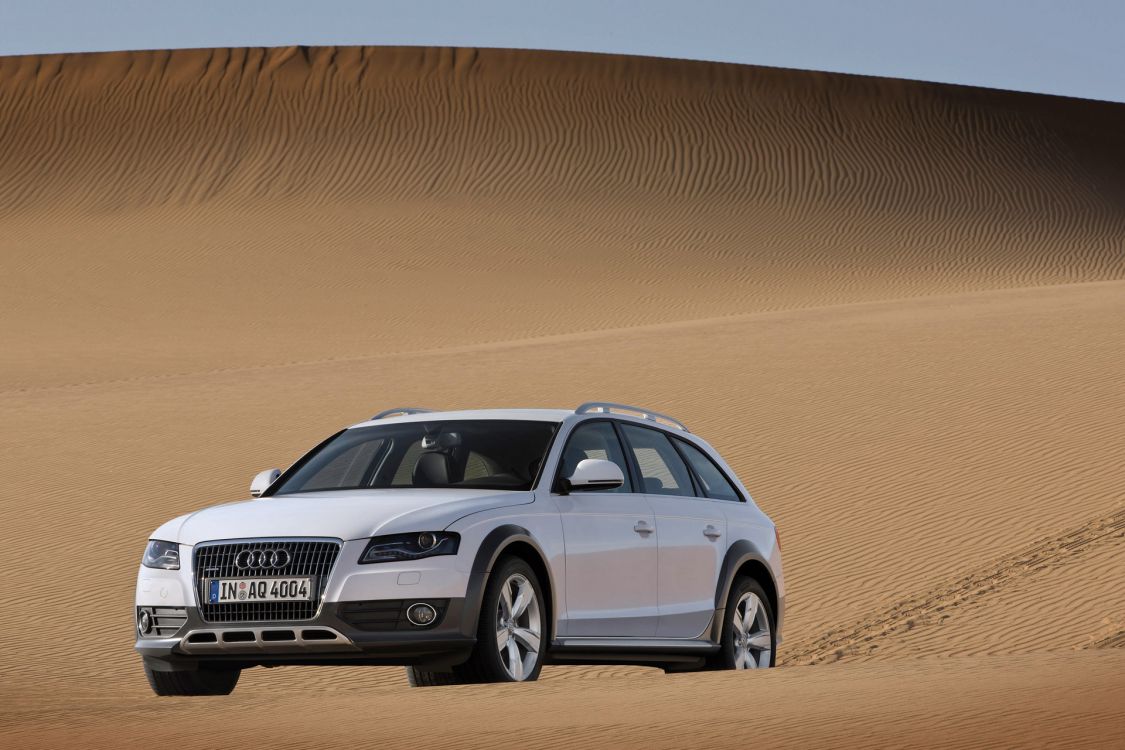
(410, 546)
(160, 554)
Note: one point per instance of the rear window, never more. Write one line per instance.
(482, 453)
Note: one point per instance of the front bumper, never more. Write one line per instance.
(334, 635)
(342, 633)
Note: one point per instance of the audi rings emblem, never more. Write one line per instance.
(262, 558)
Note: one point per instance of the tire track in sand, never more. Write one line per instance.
(930, 608)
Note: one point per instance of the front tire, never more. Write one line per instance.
(203, 681)
(511, 632)
(418, 677)
(748, 639)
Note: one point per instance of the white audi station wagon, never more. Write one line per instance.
(470, 546)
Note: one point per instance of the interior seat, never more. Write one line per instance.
(433, 469)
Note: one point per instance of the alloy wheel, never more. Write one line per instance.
(519, 627)
(753, 643)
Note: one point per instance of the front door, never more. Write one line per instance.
(611, 547)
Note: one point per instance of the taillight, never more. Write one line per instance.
(777, 538)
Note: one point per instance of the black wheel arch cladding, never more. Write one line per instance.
(491, 549)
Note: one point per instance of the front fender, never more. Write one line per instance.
(490, 550)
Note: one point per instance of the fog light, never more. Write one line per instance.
(144, 622)
(421, 615)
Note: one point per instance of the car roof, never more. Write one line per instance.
(529, 415)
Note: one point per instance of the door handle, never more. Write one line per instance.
(711, 532)
(643, 527)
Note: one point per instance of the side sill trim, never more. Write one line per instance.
(635, 644)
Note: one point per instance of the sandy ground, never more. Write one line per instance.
(895, 308)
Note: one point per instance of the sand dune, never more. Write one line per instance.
(299, 199)
(895, 307)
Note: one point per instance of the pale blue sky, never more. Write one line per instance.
(1071, 47)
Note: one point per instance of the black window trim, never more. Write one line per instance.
(696, 487)
(630, 459)
(695, 478)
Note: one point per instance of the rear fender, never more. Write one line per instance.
(740, 553)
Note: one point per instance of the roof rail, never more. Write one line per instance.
(652, 416)
(400, 411)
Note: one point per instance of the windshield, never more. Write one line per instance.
(487, 454)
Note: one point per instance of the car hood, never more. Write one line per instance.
(349, 514)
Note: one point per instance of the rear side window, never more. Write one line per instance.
(662, 470)
(715, 483)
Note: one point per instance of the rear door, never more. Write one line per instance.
(610, 546)
(691, 531)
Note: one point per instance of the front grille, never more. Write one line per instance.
(312, 558)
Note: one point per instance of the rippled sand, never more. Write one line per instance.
(896, 308)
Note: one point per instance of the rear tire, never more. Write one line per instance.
(204, 681)
(749, 640)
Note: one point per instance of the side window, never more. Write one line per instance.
(594, 440)
(714, 483)
(662, 469)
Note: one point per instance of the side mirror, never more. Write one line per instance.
(263, 481)
(593, 474)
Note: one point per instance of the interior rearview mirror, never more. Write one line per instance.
(592, 475)
(262, 482)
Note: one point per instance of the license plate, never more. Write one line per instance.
(239, 590)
